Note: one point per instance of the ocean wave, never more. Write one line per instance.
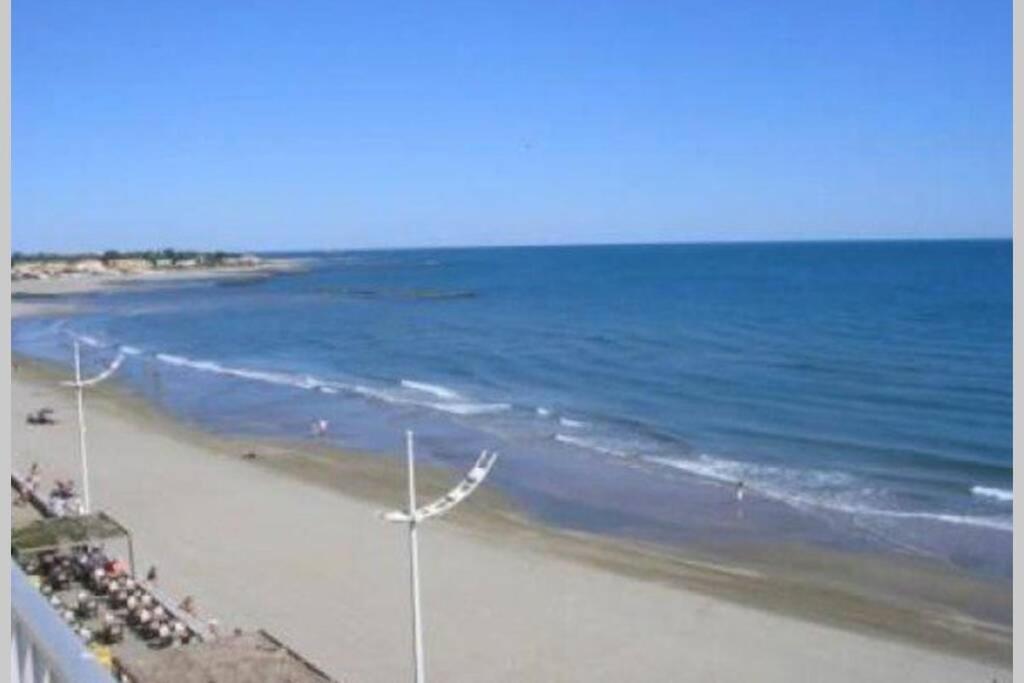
(591, 444)
(377, 394)
(819, 489)
(464, 408)
(543, 412)
(433, 389)
(574, 424)
(283, 379)
(174, 360)
(95, 343)
(985, 522)
(1002, 495)
(471, 408)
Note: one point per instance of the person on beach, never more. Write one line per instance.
(43, 416)
(32, 481)
(214, 627)
(59, 496)
(319, 427)
(188, 605)
(739, 491)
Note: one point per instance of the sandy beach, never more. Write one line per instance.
(292, 542)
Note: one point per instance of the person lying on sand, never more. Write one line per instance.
(249, 455)
(41, 417)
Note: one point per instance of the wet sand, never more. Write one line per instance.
(292, 542)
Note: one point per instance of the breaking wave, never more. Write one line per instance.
(814, 489)
(1002, 495)
(434, 389)
(591, 445)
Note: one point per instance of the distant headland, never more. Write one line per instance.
(45, 266)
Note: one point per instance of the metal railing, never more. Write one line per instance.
(43, 648)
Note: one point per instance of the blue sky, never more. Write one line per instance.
(277, 125)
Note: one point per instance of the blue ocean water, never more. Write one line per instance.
(860, 390)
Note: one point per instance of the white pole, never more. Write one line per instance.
(81, 429)
(413, 516)
(414, 567)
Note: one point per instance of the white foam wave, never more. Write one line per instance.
(88, 340)
(1002, 495)
(173, 360)
(985, 522)
(456, 408)
(543, 412)
(432, 389)
(574, 424)
(591, 445)
(131, 351)
(379, 394)
(471, 408)
(710, 468)
(821, 489)
(284, 379)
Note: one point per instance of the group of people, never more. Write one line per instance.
(63, 499)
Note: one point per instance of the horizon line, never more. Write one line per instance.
(554, 245)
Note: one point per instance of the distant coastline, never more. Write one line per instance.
(36, 278)
(47, 266)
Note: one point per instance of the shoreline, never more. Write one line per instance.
(878, 597)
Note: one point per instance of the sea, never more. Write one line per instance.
(860, 391)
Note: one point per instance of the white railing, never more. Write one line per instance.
(43, 648)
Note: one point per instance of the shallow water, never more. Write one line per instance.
(861, 391)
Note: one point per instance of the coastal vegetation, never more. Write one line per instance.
(153, 256)
(44, 265)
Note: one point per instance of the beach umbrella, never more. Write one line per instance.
(413, 516)
(80, 384)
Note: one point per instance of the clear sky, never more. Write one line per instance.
(277, 125)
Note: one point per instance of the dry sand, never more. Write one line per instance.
(291, 542)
